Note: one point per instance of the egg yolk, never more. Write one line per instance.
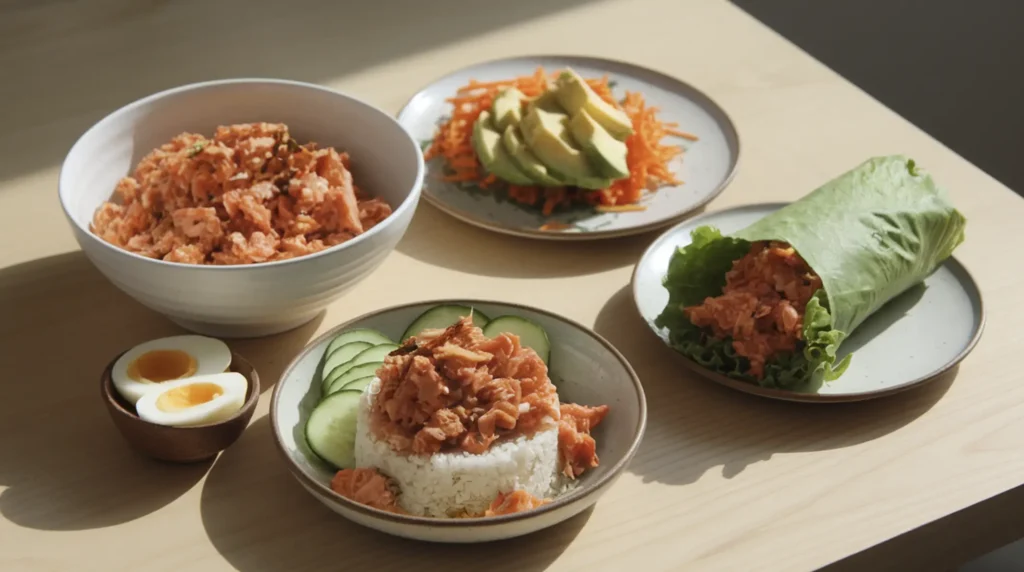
(187, 396)
(162, 365)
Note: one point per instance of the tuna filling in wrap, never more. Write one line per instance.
(773, 302)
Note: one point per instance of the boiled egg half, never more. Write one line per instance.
(198, 400)
(149, 365)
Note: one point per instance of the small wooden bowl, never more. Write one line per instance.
(180, 444)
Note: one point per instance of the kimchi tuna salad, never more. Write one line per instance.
(249, 194)
(761, 307)
(459, 420)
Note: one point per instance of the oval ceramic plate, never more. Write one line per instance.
(705, 168)
(913, 339)
(585, 368)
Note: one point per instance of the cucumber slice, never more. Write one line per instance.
(357, 372)
(442, 317)
(369, 355)
(375, 354)
(331, 429)
(358, 335)
(530, 335)
(359, 384)
(340, 356)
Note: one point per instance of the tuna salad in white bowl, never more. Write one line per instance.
(241, 208)
(458, 421)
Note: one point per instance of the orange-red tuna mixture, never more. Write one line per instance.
(250, 194)
(513, 502)
(762, 304)
(367, 486)
(457, 390)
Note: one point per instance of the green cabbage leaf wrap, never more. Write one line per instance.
(870, 234)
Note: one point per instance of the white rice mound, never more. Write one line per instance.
(448, 484)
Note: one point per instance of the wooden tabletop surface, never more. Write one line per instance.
(723, 481)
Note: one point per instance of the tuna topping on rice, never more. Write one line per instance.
(461, 425)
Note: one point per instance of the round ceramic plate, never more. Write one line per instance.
(913, 339)
(584, 367)
(705, 168)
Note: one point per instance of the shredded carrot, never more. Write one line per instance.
(525, 195)
(683, 134)
(646, 157)
(488, 181)
(555, 226)
(619, 208)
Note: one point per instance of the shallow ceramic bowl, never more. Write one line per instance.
(249, 300)
(180, 444)
(585, 367)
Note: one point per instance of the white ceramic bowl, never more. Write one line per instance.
(585, 367)
(258, 299)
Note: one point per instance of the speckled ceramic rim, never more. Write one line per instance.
(702, 98)
(110, 394)
(410, 201)
(582, 491)
(795, 396)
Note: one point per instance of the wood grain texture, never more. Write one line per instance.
(723, 481)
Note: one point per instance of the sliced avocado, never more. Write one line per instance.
(574, 94)
(548, 101)
(527, 162)
(607, 153)
(547, 135)
(492, 155)
(508, 108)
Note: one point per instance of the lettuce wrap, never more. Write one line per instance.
(869, 234)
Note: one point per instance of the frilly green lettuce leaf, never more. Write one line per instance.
(697, 271)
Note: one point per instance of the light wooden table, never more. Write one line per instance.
(723, 481)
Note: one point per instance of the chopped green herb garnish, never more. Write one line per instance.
(196, 148)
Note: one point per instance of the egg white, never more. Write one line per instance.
(234, 387)
(211, 355)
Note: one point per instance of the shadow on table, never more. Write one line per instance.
(64, 464)
(88, 47)
(748, 429)
(272, 354)
(441, 240)
(261, 519)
